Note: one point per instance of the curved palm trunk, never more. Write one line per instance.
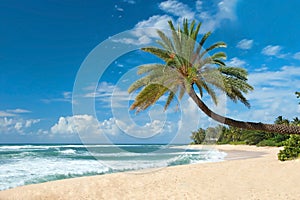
(276, 128)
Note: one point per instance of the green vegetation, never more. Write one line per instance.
(188, 68)
(210, 135)
(291, 149)
(298, 95)
(198, 136)
(232, 135)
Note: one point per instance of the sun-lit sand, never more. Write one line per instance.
(249, 173)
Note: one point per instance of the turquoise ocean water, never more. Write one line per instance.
(29, 164)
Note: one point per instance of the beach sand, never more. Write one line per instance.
(249, 173)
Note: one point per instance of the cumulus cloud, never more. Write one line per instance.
(145, 131)
(89, 127)
(177, 8)
(297, 56)
(75, 124)
(16, 125)
(273, 95)
(144, 31)
(271, 50)
(245, 44)
(28, 123)
(212, 18)
(236, 62)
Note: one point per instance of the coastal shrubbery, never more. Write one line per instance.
(291, 148)
(232, 135)
(198, 136)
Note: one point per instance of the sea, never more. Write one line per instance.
(31, 164)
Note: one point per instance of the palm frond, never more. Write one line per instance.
(166, 41)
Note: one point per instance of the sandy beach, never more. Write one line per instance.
(249, 172)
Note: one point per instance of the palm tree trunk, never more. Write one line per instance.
(275, 128)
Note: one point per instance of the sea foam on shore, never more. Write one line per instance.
(29, 164)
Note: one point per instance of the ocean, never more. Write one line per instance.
(29, 164)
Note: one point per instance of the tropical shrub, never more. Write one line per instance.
(269, 142)
(291, 148)
(198, 136)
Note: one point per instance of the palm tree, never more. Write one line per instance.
(296, 121)
(281, 120)
(298, 95)
(188, 69)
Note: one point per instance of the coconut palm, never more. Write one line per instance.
(281, 120)
(188, 68)
(296, 121)
(298, 95)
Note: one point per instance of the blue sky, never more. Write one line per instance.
(43, 45)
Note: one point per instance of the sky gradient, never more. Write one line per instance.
(43, 45)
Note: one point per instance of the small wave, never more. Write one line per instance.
(68, 151)
(68, 161)
(200, 157)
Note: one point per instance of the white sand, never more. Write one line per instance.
(259, 175)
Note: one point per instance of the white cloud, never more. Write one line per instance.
(212, 19)
(261, 69)
(236, 62)
(272, 50)
(85, 125)
(145, 31)
(297, 56)
(273, 95)
(104, 89)
(109, 94)
(245, 44)
(28, 123)
(19, 111)
(6, 122)
(129, 1)
(15, 124)
(74, 124)
(66, 97)
(6, 114)
(119, 8)
(139, 41)
(147, 130)
(13, 112)
(199, 5)
(156, 21)
(177, 8)
(18, 126)
(226, 9)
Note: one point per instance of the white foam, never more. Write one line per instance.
(27, 170)
(31, 167)
(68, 151)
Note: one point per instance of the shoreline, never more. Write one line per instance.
(248, 172)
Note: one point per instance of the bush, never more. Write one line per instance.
(238, 143)
(253, 137)
(269, 142)
(198, 136)
(291, 148)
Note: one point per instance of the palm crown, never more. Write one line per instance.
(187, 63)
